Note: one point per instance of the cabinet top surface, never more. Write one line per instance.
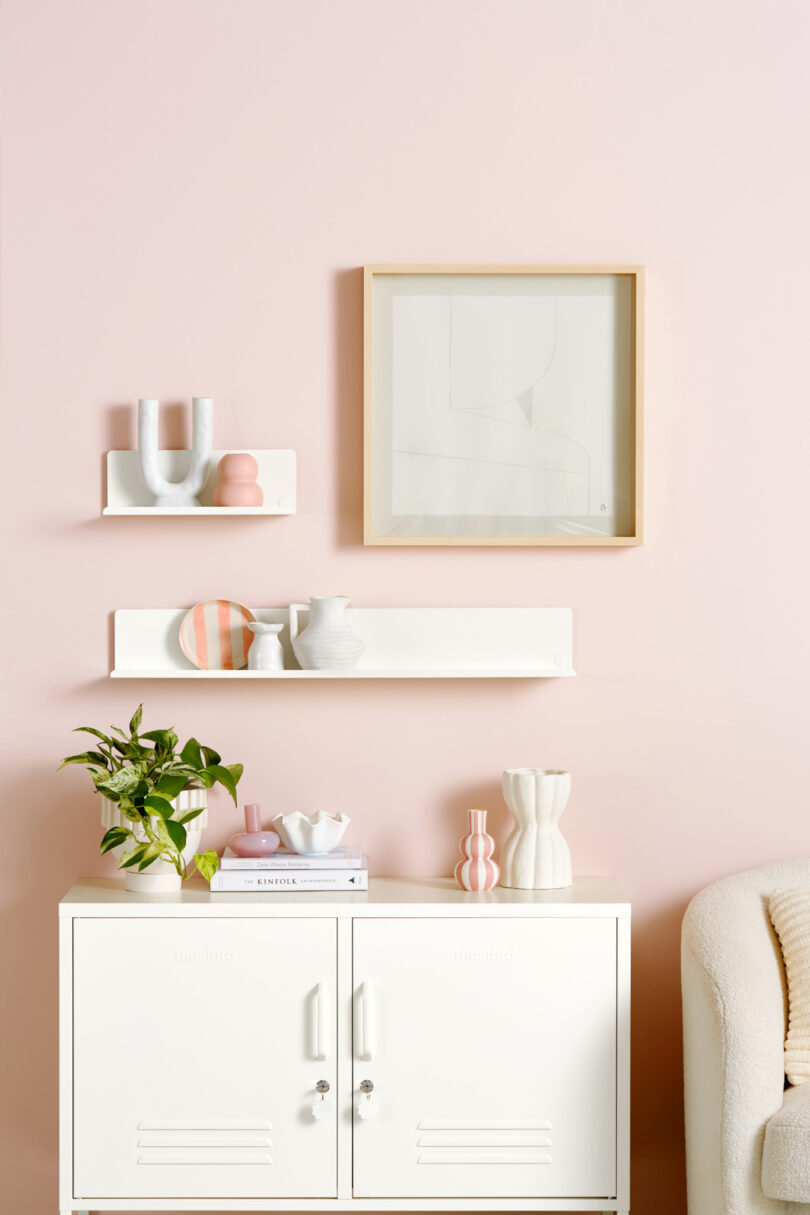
(407, 896)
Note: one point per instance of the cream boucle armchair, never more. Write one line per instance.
(747, 1138)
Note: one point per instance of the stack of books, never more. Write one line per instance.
(340, 869)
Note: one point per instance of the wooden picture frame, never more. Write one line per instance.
(503, 405)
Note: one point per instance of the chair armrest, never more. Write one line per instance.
(734, 1011)
(785, 1157)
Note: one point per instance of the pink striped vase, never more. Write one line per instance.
(477, 870)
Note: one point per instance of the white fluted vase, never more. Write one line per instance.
(536, 856)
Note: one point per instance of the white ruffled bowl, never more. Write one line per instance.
(312, 836)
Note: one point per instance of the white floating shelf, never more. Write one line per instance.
(128, 495)
(401, 643)
(358, 674)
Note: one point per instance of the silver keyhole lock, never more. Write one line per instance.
(321, 1108)
(366, 1107)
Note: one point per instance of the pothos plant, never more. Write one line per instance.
(142, 773)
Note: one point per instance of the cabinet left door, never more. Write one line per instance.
(197, 1047)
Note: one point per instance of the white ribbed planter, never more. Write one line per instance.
(160, 877)
(536, 856)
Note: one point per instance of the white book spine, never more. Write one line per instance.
(266, 880)
(287, 861)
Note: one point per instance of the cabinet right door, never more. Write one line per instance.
(491, 1048)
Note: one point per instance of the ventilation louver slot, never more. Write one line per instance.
(204, 1141)
(465, 1141)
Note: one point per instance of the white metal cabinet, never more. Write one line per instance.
(491, 1048)
(197, 1047)
(188, 1023)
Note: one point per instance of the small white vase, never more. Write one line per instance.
(327, 643)
(536, 856)
(312, 836)
(265, 654)
(160, 877)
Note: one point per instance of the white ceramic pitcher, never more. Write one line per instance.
(328, 643)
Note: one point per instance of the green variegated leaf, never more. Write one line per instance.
(224, 777)
(135, 721)
(97, 778)
(159, 828)
(190, 814)
(132, 751)
(114, 837)
(164, 740)
(170, 784)
(92, 730)
(132, 857)
(191, 754)
(211, 756)
(158, 805)
(236, 771)
(88, 758)
(178, 768)
(207, 864)
(178, 834)
(124, 781)
(151, 854)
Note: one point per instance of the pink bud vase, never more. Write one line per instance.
(237, 481)
(477, 871)
(253, 841)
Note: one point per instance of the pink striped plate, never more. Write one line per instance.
(215, 636)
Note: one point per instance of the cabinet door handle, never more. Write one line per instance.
(320, 1022)
(368, 1042)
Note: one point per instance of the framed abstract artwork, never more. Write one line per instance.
(503, 405)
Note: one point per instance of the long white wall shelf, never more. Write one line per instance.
(127, 494)
(401, 643)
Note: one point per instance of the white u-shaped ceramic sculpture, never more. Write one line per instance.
(536, 856)
(175, 493)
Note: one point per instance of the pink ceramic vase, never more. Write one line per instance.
(237, 481)
(253, 841)
(477, 870)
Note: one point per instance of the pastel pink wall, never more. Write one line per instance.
(188, 190)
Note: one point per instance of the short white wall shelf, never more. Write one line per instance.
(127, 494)
(401, 643)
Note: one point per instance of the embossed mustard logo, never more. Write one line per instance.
(484, 955)
(204, 955)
